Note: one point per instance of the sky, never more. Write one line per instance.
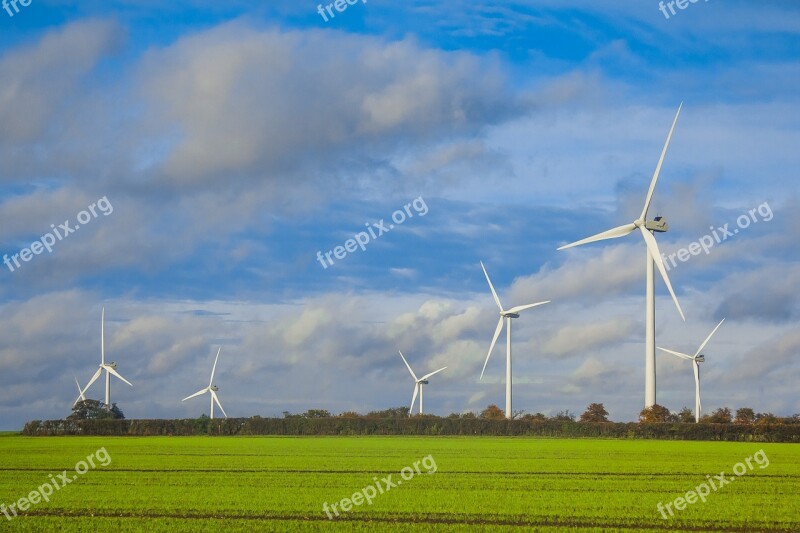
(188, 165)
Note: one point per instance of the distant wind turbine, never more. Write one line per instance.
(506, 315)
(212, 389)
(110, 368)
(646, 227)
(696, 359)
(418, 383)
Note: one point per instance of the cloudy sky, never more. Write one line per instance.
(186, 161)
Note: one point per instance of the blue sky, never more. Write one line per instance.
(235, 142)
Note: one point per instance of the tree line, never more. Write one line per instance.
(656, 422)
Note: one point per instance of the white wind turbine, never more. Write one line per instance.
(506, 315)
(696, 359)
(110, 368)
(647, 227)
(418, 383)
(211, 389)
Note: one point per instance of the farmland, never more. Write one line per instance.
(281, 484)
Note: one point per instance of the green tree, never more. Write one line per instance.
(316, 413)
(596, 412)
(745, 415)
(94, 410)
(655, 414)
(686, 415)
(720, 416)
(564, 416)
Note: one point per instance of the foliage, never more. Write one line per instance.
(685, 415)
(492, 412)
(745, 415)
(656, 414)
(95, 410)
(595, 412)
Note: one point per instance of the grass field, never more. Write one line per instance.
(280, 484)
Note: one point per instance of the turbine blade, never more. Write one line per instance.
(214, 395)
(426, 376)
(658, 167)
(413, 399)
(491, 347)
(494, 293)
(80, 390)
(700, 349)
(652, 245)
(519, 308)
(198, 393)
(94, 378)
(679, 354)
(613, 233)
(215, 367)
(408, 366)
(103, 337)
(117, 374)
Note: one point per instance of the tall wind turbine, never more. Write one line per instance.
(647, 227)
(110, 368)
(81, 397)
(211, 389)
(696, 359)
(418, 383)
(506, 315)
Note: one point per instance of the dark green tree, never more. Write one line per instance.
(95, 410)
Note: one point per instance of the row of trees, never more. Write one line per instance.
(594, 413)
(530, 426)
(723, 415)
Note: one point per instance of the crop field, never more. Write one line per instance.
(462, 484)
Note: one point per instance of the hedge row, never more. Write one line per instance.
(415, 426)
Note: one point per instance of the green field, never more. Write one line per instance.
(281, 483)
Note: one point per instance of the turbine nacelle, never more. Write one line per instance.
(213, 388)
(700, 358)
(658, 224)
(508, 314)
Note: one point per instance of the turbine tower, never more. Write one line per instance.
(212, 389)
(696, 359)
(647, 228)
(507, 316)
(110, 368)
(418, 383)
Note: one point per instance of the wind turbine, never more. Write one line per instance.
(211, 389)
(110, 368)
(646, 227)
(696, 359)
(418, 383)
(81, 397)
(506, 315)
